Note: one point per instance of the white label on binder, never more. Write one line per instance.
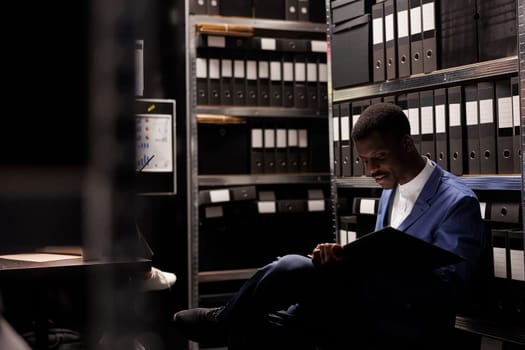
(257, 138)
(293, 138)
(268, 44)
(219, 195)
(311, 72)
(216, 41)
(505, 112)
(215, 68)
(318, 46)
(275, 70)
(402, 24)
(280, 138)
(303, 138)
(226, 66)
(266, 207)
(367, 206)
(300, 71)
(472, 112)
(264, 71)
(288, 71)
(351, 236)
(483, 209)
(413, 118)
(415, 20)
(516, 110)
(269, 138)
(377, 30)
(389, 27)
(441, 126)
(486, 111)
(201, 68)
(517, 264)
(345, 128)
(335, 121)
(429, 16)
(343, 238)
(427, 122)
(316, 205)
(238, 69)
(251, 70)
(454, 114)
(500, 262)
(323, 73)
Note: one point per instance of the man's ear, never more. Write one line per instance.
(408, 143)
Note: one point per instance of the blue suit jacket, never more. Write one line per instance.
(416, 304)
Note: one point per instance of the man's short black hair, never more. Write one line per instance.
(385, 118)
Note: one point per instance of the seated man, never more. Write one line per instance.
(341, 305)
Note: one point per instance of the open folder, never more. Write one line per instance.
(390, 248)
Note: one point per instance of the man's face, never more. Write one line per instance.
(384, 158)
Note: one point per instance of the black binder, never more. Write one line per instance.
(505, 127)
(336, 139)
(516, 117)
(472, 127)
(390, 40)
(378, 43)
(487, 128)
(201, 74)
(416, 37)
(300, 90)
(456, 123)
(430, 54)
(403, 38)
(428, 142)
(414, 113)
(214, 81)
(226, 82)
(251, 83)
(390, 248)
(441, 118)
(497, 29)
(239, 83)
(288, 81)
(346, 153)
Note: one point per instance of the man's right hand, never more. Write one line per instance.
(327, 254)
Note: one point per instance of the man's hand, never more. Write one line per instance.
(326, 254)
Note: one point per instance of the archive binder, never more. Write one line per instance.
(263, 83)
(346, 153)
(214, 82)
(456, 125)
(226, 87)
(201, 74)
(505, 128)
(239, 83)
(428, 142)
(403, 38)
(251, 83)
(299, 89)
(472, 127)
(516, 117)
(497, 29)
(413, 103)
(430, 62)
(416, 37)
(390, 40)
(288, 81)
(487, 128)
(389, 248)
(442, 130)
(336, 139)
(281, 150)
(378, 43)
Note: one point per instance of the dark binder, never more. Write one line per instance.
(505, 127)
(269, 151)
(336, 139)
(304, 151)
(403, 38)
(516, 117)
(323, 87)
(226, 82)
(251, 83)
(263, 83)
(303, 10)
(291, 7)
(430, 53)
(441, 118)
(414, 112)
(487, 128)
(516, 247)
(214, 81)
(201, 74)
(358, 168)
(416, 37)
(300, 90)
(456, 123)
(288, 81)
(500, 248)
(281, 150)
(213, 6)
(428, 142)
(389, 248)
(239, 83)
(293, 151)
(378, 43)
(257, 151)
(276, 83)
(199, 7)
(390, 40)
(472, 128)
(312, 84)
(346, 153)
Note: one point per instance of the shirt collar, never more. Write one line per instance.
(411, 190)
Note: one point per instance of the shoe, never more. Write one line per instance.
(202, 325)
(158, 280)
